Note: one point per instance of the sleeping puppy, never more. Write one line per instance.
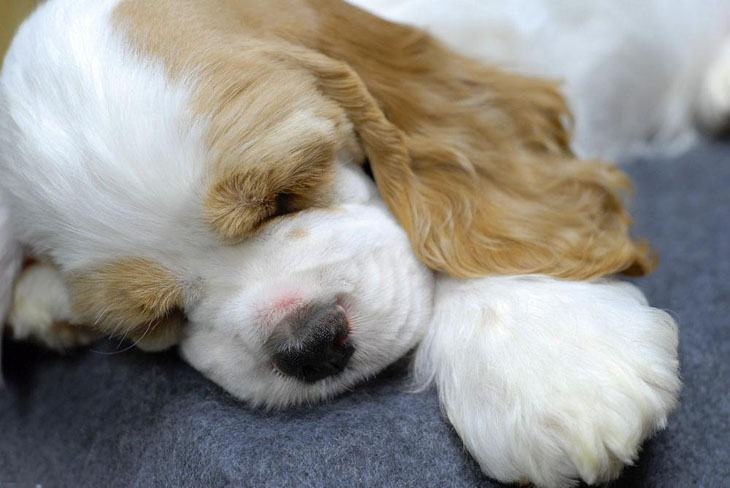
(643, 78)
(149, 149)
(306, 308)
(544, 379)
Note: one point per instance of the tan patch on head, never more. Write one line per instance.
(272, 136)
(473, 161)
(134, 298)
(244, 197)
(297, 233)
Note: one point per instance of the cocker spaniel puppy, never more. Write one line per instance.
(192, 169)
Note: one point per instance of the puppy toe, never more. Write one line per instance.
(41, 310)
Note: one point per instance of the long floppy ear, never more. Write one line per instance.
(473, 161)
(134, 298)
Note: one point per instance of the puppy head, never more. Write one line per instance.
(171, 196)
(314, 303)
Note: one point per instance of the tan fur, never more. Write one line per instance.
(135, 298)
(272, 137)
(244, 198)
(298, 233)
(473, 161)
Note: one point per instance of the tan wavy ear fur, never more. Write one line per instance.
(473, 161)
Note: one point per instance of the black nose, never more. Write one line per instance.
(312, 343)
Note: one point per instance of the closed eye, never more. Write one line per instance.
(286, 203)
(254, 194)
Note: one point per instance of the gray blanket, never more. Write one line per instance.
(95, 418)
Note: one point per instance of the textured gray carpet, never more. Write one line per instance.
(92, 419)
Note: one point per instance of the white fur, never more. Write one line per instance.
(357, 254)
(714, 100)
(10, 261)
(548, 380)
(633, 70)
(99, 155)
(40, 298)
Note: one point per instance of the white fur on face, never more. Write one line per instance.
(354, 254)
(548, 380)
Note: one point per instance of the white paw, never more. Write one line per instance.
(548, 381)
(41, 310)
(713, 109)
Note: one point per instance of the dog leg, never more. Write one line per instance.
(548, 381)
(41, 310)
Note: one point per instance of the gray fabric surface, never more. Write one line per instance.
(92, 419)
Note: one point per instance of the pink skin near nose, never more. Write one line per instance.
(278, 308)
(286, 303)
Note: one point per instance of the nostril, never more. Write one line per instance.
(312, 343)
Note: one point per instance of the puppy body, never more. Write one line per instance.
(642, 78)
